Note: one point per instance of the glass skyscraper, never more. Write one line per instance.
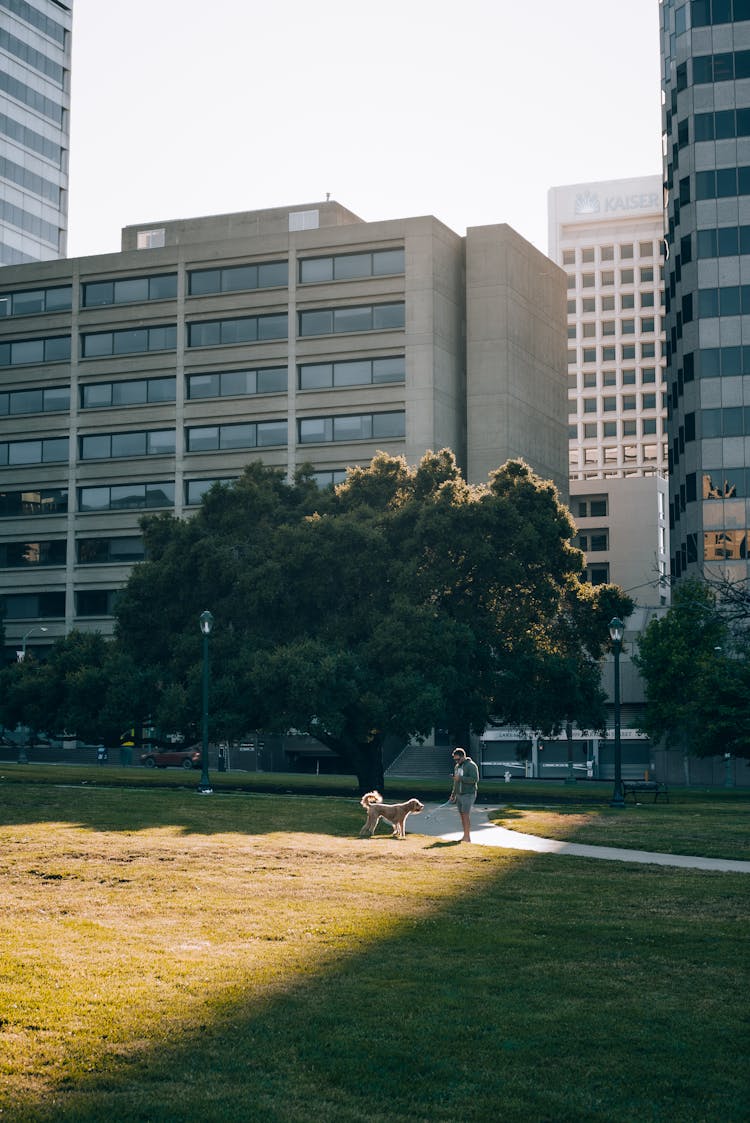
(35, 42)
(706, 127)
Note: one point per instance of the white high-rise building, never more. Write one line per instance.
(609, 238)
(35, 44)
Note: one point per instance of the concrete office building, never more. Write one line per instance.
(608, 237)
(706, 125)
(35, 44)
(133, 380)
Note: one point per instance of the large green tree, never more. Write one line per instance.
(405, 599)
(695, 662)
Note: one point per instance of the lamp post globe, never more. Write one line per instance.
(616, 632)
(206, 624)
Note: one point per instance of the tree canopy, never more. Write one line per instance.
(695, 665)
(401, 600)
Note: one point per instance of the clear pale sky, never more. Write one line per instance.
(468, 110)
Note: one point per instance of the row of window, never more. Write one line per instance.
(232, 383)
(731, 421)
(722, 241)
(609, 403)
(726, 483)
(628, 377)
(624, 302)
(19, 91)
(37, 60)
(725, 545)
(726, 66)
(209, 333)
(726, 300)
(721, 362)
(30, 139)
(627, 352)
(203, 438)
(723, 124)
(599, 430)
(606, 278)
(51, 606)
(607, 253)
(646, 325)
(89, 551)
(704, 13)
(30, 181)
(33, 16)
(614, 454)
(203, 282)
(720, 183)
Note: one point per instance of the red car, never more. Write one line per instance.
(176, 758)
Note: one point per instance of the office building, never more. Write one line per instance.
(133, 380)
(608, 237)
(706, 125)
(35, 45)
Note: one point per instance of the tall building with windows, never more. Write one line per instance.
(706, 124)
(134, 380)
(609, 237)
(35, 46)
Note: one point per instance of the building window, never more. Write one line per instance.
(195, 490)
(569, 257)
(609, 429)
(246, 434)
(19, 352)
(132, 392)
(648, 426)
(52, 400)
(49, 501)
(628, 428)
(593, 541)
(95, 602)
(128, 341)
(126, 497)
(237, 383)
(587, 254)
(589, 354)
(628, 376)
(106, 446)
(330, 477)
(646, 249)
(104, 551)
(351, 266)
(245, 329)
(31, 302)
(304, 220)
(597, 574)
(354, 372)
(608, 278)
(48, 450)
(239, 278)
(370, 317)
(589, 405)
(151, 239)
(609, 404)
(22, 555)
(725, 545)
(34, 606)
(352, 427)
(589, 430)
(130, 290)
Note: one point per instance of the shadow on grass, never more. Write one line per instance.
(533, 993)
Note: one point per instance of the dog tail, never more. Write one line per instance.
(371, 797)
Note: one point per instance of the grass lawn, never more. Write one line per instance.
(167, 957)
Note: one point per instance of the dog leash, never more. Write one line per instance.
(448, 803)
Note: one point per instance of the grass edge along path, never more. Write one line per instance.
(169, 958)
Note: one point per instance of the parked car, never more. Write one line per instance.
(175, 757)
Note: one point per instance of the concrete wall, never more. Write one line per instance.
(516, 371)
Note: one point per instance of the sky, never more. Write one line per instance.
(469, 110)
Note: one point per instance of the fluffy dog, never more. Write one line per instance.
(393, 813)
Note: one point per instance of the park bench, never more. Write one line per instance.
(636, 787)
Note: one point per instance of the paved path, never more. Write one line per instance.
(443, 823)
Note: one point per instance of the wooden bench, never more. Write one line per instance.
(636, 787)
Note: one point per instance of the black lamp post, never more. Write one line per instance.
(207, 623)
(616, 630)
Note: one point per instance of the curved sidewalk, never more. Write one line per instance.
(441, 822)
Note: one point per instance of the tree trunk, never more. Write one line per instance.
(365, 759)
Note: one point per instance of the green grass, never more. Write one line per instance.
(168, 957)
(704, 827)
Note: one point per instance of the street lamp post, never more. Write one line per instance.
(206, 623)
(22, 757)
(22, 653)
(616, 630)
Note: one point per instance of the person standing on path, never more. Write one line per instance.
(465, 783)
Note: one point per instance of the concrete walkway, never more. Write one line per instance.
(443, 823)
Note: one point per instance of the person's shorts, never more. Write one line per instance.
(464, 803)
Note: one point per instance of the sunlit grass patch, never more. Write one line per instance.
(170, 958)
